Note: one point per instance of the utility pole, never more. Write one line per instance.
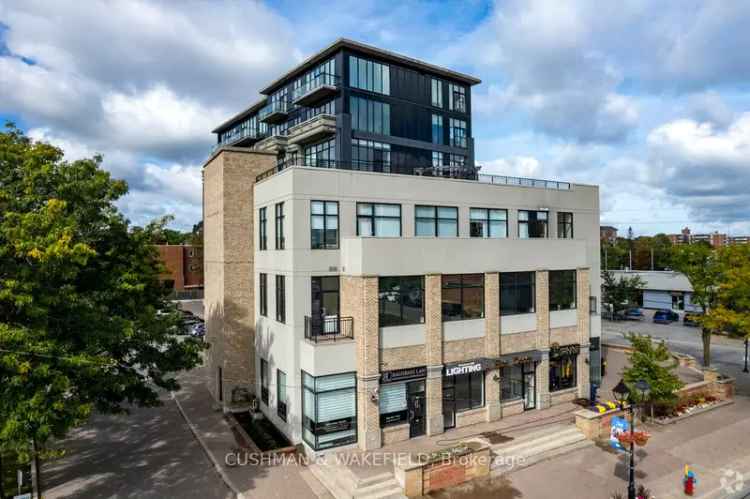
(630, 248)
(652, 258)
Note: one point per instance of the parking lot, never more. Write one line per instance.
(647, 326)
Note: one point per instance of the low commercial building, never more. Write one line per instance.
(663, 289)
(369, 306)
(184, 264)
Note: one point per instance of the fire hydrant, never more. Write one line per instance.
(690, 481)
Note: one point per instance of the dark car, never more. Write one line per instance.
(665, 316)
(690, 319)
(633, 314)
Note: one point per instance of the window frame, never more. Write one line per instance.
(281, 298)
(558, 277)
(505, 277)
(453, 90)
(362, 109)
(281, 404)
(279, 225)
(263, 293)
(563, 225)
(436, 219)
(373, 217)
(264, 381)
(314, 391)
(461, 289)
(557, 363)
(436, 90)
(487, 220)
(325, 216)
(437, 129)
(529, 223)
(262, 229)
(458, 139)
(478, 377)
(381, 300)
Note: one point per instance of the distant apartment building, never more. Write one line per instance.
(367, 283)
(608, 233)
(715, 239)
(184, 265)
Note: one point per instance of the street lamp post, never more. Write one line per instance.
(745, 370)
(623, 394)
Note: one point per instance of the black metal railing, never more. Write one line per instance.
(331, 328)
(317, 81)
(524, 182)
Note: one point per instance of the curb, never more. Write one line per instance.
(217, 465)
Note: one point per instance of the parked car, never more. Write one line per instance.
(665, 316)
(634, 314)
(690, 319)
(199, 330)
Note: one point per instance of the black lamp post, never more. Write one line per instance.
(622, 394)
(745, 370)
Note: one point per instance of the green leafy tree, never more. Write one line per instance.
(731, 310)
(79, 295)
(699, 264)
(651, 362)
(622, 292)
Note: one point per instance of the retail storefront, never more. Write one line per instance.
(563, 367)
(463, 389)
(518, 377)
(402, 399)
(329, 408)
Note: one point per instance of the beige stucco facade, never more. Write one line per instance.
(361, 261)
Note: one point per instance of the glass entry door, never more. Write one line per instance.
(449, 407)
(415, 397)
(529, 385)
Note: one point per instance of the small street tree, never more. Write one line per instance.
(699, 264)
(79, 295)
(621, 292)
(652, 362)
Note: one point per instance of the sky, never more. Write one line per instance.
(648, 100)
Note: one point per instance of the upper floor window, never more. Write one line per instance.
(324, 224)
(456, 97)
(370, 116)
(262, 235)
(517, 293)
(562, 289)
(440, 221)
(281, 394)
(437, 129)
(436, 92)
(279, 225)
(456, 160)
(322, 154)
(280, 298)
(457, 133)
(264, 381)
(532, 224)
(463, 296)
(565, 225)
(485, 222)
(322, 74)
(369, 75)
(378, 220)
(263, 287)
(401, 300)
(371, 156)
(437, 159)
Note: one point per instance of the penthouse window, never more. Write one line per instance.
(378, 220)
(457, 133)
(401, 300)
(564, 225)
(463, 297)
(324, 224)
(456, 98)
(562, 289)
(262, 229)
(371, 156)
(437, 129)
(532, 224)
(517, 293)
(279, 225)
(370, 116)
(485, 222)
(322, 154)
(436, 221)
(436, 92)
(369, 75)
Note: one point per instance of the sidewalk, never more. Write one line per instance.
(248, 479)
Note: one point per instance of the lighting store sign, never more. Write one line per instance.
(457, 370)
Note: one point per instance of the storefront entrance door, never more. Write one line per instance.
(415, 396)
(529, 386)
(449, 407)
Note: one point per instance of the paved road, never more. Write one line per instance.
(148, 454)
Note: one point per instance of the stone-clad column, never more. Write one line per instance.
(584, 330)
(583, 373)
(360, 301)
(542, 337)
(434, 345)
(492, 343)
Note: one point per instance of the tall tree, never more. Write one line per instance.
(731, 311)
(699, 264)
(621, 292)
(79, 295)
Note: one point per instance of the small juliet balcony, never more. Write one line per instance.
(274, 112)
(315, 90)
(316, 128)
(329, 328)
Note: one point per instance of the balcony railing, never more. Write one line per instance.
(274, 111)
(524, 182)
(318, 86)
(331, 328)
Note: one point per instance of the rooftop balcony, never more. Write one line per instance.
(243, 136)
(313, 129)
(274, 112)
(315, 90)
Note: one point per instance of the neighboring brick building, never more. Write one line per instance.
(608, 233)
(185, 266)
(368, 305)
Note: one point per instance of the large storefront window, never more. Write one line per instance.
(468, 387)
(463, 296)
(511, 387)
(401, 300)
(329, 410)
(563, 362)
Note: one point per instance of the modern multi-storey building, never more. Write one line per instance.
(368, 301)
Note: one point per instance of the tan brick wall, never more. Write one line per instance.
(542, 309)
(460, 350)
(471, 417)
(434, 394)
(518, 342)
(228, 192)
(434, 318)
(583, 308)
(401, 357)
(565, 335)
(393, 434)
(492, 313)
